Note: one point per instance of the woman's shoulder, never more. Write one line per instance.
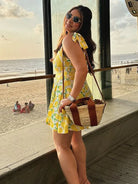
(67, 39)
(68, 42)
(73, 38)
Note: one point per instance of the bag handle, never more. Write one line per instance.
(82, 100)
(61, 58)
(92, 72)
(91, 69)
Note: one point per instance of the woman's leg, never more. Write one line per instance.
(66, 156)
(79, 151)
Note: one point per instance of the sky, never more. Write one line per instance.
(21, 29)
(124, 29)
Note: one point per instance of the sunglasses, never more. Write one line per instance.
(75, 18)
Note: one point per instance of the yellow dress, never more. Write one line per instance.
(58, 121)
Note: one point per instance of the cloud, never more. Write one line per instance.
(123, 28)
(118, 10)
(10, 9)
(123, 23)
(38, 28)
(120, 16)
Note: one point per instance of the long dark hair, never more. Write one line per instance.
(84, 30)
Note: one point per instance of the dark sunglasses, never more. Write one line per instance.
(75, 18)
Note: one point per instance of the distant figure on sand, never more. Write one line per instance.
(31, 106)
(25, 109)
(17, 107)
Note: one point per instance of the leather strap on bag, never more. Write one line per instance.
(92, 112)
(75, 114)
(92, 72)
(62, 72)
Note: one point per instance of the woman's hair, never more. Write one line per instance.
(84, 30)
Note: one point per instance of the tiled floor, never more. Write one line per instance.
(120, 166)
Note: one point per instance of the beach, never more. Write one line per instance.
(122, 83)
(23, 92)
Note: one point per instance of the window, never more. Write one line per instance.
(124, 48)
(22, 54)
(58, 11)
(21, 38)
(124, 39)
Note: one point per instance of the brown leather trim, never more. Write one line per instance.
(75, 114)
(81, 100)
(92, 112)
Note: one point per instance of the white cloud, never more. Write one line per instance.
(123, 28)
(118, 10)
(10, 9)
(38, 28)
(120, 16)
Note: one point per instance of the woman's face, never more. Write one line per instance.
(72, 21)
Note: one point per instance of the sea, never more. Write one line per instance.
(124, 59)
(36, 66)
(22, 67)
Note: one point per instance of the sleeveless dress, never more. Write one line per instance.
(59, 121)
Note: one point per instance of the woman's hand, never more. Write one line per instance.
(63, 103)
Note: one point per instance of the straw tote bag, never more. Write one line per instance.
(85, 111)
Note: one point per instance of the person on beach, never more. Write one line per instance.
(25, 109)
(17, 107)
(74, 40)
(31, 105)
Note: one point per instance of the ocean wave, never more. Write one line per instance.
(24, 74)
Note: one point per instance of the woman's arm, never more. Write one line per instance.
(74, 52)
(76, 55)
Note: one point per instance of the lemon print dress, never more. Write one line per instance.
(59, 121)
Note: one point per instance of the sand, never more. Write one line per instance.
(23, 92)
(122, 83)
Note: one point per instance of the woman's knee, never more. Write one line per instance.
(76, 139)
(60, 146)
(62, 150)
(62, 141)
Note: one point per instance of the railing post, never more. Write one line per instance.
(48, 46)
(104, 56)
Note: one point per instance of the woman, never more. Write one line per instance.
(25, 109)
(17, 107)
(75, 38)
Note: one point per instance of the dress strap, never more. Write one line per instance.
(76, 37)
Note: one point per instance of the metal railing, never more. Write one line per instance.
(21, 79)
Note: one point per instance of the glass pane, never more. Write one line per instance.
(34, 91)
(124, 81)
(124, 35)
(21, 40)
(59, 9)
